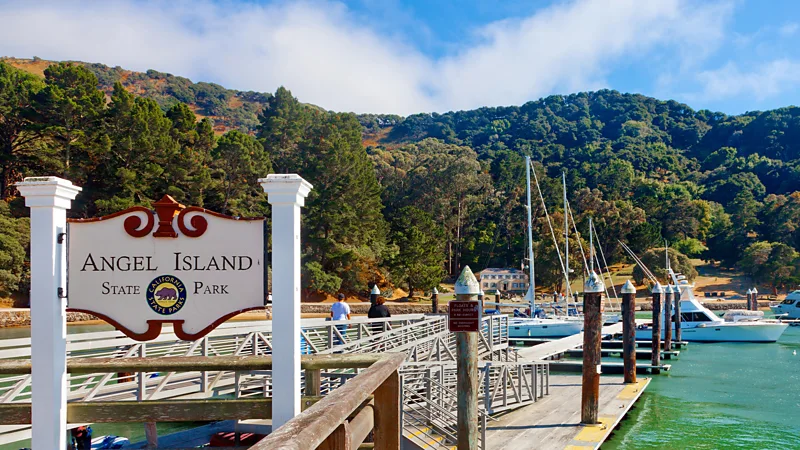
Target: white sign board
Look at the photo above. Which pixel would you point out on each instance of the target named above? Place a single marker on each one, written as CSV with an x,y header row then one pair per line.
x,y
196,270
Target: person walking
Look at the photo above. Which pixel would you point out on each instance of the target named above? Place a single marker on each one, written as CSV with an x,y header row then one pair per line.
x,y
340,310
378,311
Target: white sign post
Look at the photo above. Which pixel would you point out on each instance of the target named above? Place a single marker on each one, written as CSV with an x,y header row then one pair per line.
x,y
286,194
49,198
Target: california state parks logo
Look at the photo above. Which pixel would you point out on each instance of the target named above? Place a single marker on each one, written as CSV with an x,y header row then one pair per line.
x,y
166,295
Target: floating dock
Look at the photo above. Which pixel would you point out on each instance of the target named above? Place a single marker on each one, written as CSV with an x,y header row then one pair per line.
x,y
554,421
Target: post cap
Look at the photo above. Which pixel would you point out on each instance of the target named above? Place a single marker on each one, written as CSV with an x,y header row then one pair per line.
x,y
657,289
755,291
676,289
594,284
628,288
749,291
48,192
285,188
435,291
375,290
467,283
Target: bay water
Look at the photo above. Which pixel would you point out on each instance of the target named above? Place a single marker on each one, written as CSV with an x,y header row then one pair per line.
x,y
720,396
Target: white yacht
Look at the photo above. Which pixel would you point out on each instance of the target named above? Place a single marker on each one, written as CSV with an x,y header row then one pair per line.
x,y
700,324
789,308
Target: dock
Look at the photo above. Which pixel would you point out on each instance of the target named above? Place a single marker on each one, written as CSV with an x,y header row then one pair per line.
x,y
551,349
554,421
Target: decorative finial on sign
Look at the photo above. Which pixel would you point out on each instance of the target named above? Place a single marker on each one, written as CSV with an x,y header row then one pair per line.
x,y
467,283
628,288
166,209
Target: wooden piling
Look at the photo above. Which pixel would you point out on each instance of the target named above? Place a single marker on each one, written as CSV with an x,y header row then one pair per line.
x,y
151,434
592,335
668,294
467,288
755,299
676,295
629,331
435,301
658,290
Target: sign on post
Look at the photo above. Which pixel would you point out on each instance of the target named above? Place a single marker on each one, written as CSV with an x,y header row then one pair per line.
x,y
196,270
464,316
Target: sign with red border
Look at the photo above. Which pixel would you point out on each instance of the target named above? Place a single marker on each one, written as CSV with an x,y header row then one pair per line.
x,y
138,269
464,315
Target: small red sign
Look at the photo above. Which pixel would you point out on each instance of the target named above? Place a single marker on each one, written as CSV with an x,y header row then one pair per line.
x,y
464,315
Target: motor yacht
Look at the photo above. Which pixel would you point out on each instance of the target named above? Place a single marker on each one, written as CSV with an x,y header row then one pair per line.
x,y
789,308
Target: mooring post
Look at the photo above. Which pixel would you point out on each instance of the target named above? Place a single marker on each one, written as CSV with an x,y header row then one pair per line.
x,y
286,193
629,331
755,299
467,288
668,318
748,295
676,296
435,300
592,336
373,294
658,290
151,434
480,296
49,198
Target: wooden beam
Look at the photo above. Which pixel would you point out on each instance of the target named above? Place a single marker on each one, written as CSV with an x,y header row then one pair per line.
x,y
309,429
387,414
340,439
153,411
195,363
313,381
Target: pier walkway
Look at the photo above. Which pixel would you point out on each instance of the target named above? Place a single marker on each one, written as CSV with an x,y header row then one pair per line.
x,y
554,421
551,349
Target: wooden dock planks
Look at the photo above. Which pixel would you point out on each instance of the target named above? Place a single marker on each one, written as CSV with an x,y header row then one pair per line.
x,y
554,421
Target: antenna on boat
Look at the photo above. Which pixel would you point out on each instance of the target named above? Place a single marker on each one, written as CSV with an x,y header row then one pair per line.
x,y
532,279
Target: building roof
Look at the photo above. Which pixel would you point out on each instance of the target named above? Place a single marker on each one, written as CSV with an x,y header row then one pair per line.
x,y
501,271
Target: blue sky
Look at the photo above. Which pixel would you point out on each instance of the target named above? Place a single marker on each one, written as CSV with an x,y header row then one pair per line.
x,y
407,56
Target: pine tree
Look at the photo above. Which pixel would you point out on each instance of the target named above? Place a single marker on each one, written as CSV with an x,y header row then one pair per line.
x,y
239,160
420,242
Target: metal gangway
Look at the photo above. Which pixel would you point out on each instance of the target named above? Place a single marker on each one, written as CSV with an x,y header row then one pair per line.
x,y
425,340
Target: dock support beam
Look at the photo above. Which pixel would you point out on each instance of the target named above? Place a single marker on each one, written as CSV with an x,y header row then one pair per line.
x,y
658,290
467,288
668,318
286,193
49,198
676,295
592,335
629,331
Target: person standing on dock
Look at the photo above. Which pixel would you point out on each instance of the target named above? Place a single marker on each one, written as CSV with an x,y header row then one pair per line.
x,y
340,310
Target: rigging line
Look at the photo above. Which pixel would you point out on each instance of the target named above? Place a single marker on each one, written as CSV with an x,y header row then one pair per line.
x,y
638,261
580,244
600,247
552,233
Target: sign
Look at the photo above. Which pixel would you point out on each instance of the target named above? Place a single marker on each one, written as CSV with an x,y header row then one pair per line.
x,y
196,270
464,315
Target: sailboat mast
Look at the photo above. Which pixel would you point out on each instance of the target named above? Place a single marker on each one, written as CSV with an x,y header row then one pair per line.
x,y
591,248
531,278
566,234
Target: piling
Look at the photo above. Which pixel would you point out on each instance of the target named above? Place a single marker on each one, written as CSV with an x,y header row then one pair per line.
x,y
480,297
676,295
373,295
755,299
151,434
629,331
749,296
467,288
668,294
658,291
592,335
435,300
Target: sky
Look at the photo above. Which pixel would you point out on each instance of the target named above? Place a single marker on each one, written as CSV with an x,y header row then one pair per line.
x,y
412,56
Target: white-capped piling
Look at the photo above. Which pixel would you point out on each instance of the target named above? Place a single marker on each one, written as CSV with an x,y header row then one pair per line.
x,y
592,337
629,331
467,288
658,292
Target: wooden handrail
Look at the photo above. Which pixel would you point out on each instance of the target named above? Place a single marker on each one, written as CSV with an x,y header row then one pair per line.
x,y
195,363
319,422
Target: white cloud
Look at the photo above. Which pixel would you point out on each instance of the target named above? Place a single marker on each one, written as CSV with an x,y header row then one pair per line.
x,y
788,29
765,81
327,56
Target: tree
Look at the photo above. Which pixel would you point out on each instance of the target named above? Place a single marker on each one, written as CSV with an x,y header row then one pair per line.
x,y
239,160
690,247
14,241
772,263
655,260
420,242
20,146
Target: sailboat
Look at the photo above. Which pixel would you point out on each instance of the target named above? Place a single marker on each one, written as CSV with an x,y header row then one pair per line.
x,y
538,327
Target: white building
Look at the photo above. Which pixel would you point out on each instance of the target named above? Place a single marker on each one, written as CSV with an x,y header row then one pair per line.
x,y
503,280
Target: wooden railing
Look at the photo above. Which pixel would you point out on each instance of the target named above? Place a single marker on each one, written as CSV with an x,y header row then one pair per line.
x,y
342,419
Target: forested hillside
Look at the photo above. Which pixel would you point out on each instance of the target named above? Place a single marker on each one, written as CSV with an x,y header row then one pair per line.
x,y
405,201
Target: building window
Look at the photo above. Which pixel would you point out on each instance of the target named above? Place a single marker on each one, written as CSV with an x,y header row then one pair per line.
x,y
494,285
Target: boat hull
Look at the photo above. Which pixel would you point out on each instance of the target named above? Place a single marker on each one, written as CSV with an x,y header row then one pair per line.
x,y
786,312
726,332
544,330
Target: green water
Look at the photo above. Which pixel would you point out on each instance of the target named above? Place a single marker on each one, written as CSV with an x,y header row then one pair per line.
x,y
720,396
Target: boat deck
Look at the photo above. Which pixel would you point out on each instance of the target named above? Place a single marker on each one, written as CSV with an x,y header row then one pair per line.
x,y
554,421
